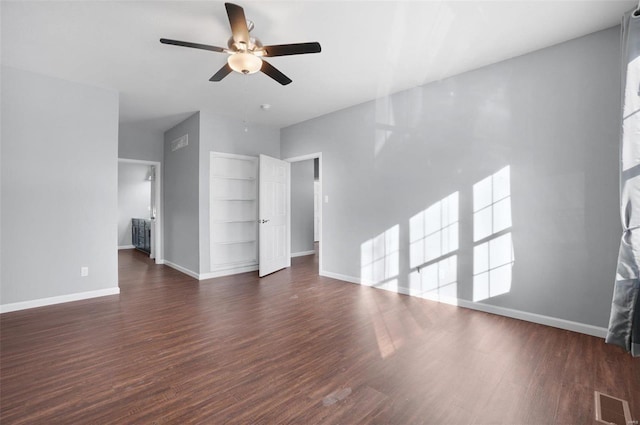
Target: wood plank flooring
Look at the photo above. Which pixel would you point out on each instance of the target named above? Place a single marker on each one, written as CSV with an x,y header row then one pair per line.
x,y
293,348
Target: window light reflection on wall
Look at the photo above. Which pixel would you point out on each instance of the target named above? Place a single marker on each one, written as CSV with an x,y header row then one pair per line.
x,y
492,263
433,237
380,259
434,231
493,256
492,204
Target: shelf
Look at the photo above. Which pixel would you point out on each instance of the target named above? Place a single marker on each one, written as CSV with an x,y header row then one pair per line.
x,y
233,207
253,220
236,242
233,178
234,199
235,264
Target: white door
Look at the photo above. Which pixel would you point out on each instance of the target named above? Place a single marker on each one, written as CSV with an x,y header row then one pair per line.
x,y
275,249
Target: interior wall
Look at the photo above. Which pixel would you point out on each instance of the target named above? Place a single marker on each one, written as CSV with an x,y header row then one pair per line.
x,y
134,198
552,116
302,219
186,181
138,142
222,134
59,187
181,196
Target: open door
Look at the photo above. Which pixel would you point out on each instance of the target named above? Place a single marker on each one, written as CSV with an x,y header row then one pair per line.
x,y
274,222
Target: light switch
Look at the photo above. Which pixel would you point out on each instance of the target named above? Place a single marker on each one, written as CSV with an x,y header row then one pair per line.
x,y
326,199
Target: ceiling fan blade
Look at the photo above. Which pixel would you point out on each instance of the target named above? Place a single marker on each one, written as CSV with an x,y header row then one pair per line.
x,y
189,44
222,72
238,23
291,49
272,72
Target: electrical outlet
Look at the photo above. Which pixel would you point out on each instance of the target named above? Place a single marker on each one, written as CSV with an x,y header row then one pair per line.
x,y
84,271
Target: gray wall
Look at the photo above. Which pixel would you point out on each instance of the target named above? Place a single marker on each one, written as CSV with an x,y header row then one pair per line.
x,y
138,142
134,198
552,115
221,134
302,178
180,191
186,180
59,187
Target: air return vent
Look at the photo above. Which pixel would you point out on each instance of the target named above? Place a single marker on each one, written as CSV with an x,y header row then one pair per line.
x,y
612,410
180,143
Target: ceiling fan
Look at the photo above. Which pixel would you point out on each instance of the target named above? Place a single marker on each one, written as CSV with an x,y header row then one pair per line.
x,y
246,53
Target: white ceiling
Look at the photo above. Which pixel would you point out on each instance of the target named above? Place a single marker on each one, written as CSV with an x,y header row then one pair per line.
x,y
369,49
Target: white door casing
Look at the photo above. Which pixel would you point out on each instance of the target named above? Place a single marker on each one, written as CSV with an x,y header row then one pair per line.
x,y
274,215
157,248
317,204
152,213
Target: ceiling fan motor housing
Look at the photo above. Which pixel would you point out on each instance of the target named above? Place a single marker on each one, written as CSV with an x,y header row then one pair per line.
x,y
254,45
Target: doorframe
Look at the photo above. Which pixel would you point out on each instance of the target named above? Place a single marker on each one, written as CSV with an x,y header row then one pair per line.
x,y
315,155
157,234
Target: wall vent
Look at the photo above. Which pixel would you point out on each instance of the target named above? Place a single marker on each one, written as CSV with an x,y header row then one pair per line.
x,y
612,410
179,143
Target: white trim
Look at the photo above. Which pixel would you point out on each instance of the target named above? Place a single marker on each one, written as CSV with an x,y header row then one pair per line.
x,y
211,275
181,269
228,272
231,156
350,279
126,247
41,302
302,253
536,318
431,297
304,157
137,161
488,308
157,223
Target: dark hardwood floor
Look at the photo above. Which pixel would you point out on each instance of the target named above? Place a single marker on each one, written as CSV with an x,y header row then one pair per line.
x,y
293,348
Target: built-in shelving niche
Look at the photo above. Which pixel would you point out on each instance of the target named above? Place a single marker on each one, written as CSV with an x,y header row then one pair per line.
x,y
234,209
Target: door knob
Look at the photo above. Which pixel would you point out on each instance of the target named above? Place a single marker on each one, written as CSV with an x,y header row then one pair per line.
x,y
263,221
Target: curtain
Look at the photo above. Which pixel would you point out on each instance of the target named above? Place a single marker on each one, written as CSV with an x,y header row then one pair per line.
x,y
624,324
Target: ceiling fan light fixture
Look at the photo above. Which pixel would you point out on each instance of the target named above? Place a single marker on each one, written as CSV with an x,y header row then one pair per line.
x,y
244,63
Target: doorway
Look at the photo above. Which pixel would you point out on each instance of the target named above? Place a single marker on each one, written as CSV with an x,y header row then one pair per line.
x,y
306,206
139,212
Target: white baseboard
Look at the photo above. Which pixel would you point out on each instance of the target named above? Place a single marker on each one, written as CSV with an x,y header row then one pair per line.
x,y
228,272
211,275
126,247
338,276
41,302
302,253
431,297
536,318
181,269
488,308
